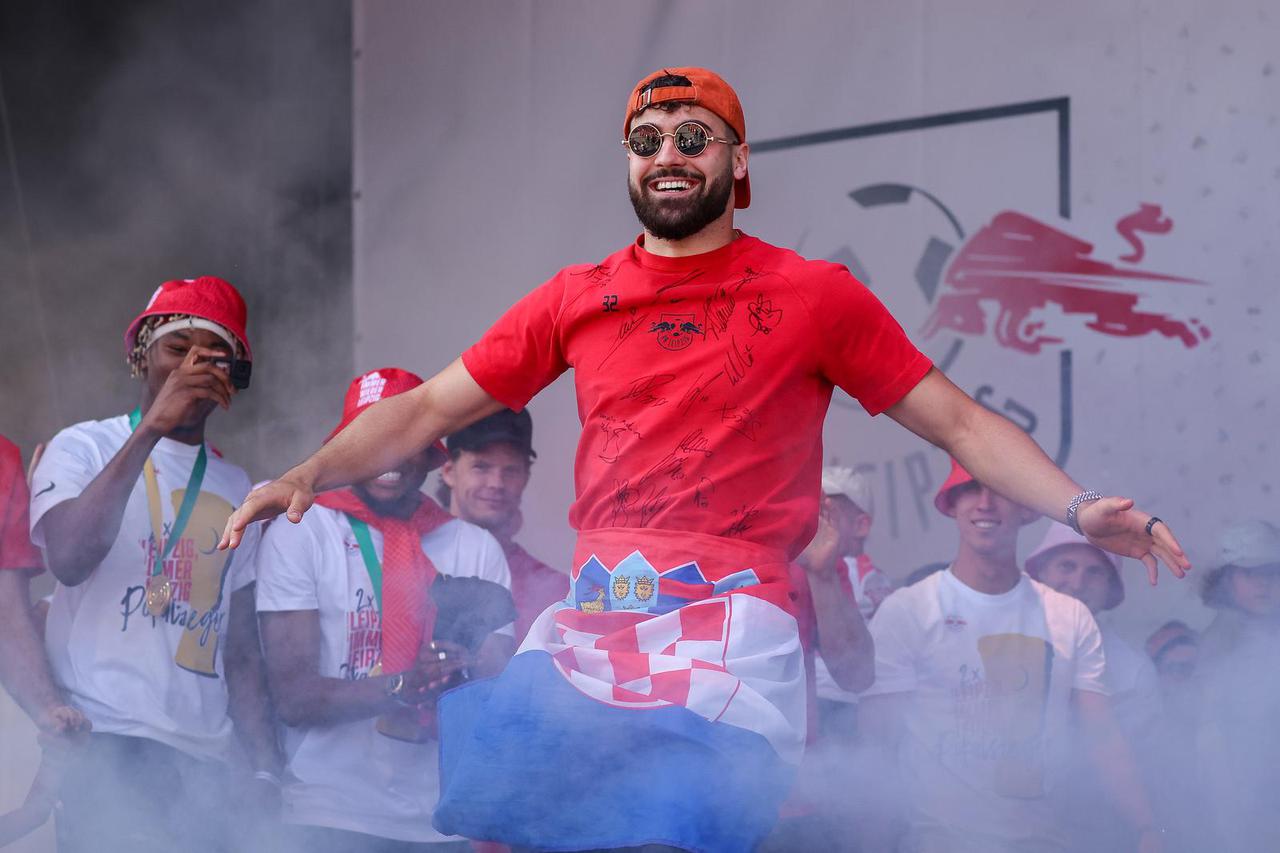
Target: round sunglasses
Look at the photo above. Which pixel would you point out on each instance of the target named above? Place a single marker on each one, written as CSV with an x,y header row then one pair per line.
x,y
690,138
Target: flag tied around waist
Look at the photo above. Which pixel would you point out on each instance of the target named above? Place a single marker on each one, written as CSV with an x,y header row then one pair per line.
x,y
671,678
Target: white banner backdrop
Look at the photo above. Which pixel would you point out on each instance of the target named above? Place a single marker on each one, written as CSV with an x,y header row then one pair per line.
x,y
1073,207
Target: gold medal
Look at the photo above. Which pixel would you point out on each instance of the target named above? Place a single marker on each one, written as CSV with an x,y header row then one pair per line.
x,y
159,594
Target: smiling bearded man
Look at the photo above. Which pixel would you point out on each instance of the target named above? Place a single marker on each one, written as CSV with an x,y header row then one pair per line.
x,y
671,679
679,202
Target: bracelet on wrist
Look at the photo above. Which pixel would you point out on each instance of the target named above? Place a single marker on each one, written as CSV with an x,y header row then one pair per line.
x,y
1074,506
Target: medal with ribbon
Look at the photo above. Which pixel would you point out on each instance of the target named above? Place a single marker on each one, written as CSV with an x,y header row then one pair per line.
x,y
160,589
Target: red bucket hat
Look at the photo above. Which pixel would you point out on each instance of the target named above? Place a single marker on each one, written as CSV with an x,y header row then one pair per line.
x,y
957,477
706,89
368,388
207,297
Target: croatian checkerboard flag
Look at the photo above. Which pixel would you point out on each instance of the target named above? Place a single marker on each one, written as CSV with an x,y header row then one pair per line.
x,y
649,708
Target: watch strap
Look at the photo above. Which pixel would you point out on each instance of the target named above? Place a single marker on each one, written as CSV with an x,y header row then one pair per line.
x,y
1074,507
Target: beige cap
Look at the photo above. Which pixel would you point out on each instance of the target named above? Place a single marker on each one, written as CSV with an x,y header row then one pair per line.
x,y
1249,544
854,485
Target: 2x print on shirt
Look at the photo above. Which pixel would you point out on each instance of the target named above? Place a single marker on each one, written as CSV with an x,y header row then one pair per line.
x,y
702,382
347,775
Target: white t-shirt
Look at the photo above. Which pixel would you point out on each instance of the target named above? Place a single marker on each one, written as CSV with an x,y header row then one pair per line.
x,y
348,776
1136,704
1134,687
132,673
988,720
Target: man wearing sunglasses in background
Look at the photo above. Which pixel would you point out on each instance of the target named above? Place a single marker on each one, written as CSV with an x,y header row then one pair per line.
x,y
664,703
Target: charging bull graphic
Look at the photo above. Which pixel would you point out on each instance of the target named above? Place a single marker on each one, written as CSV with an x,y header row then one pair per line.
x,y
1020,266
1017,273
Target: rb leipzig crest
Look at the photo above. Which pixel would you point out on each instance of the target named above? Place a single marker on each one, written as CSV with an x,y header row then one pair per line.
x,y
676,331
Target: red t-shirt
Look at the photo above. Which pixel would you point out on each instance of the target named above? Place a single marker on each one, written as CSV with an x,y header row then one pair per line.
x,y
702,383
16,550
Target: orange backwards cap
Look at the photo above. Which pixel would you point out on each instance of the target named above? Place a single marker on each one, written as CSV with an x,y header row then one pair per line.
x,y
207,297
368,388
694,86
958,477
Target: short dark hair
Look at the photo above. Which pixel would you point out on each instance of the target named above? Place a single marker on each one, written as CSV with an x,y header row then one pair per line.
x,y
1215,589
666,80
672,106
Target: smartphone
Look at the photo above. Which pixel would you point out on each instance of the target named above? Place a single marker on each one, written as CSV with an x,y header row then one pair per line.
x,y
238,371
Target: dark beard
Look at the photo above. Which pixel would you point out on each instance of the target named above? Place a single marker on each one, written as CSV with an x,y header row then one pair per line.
x,y
669,222
401,507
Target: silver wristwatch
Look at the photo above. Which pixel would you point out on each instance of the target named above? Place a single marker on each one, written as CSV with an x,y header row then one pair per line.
x,y
1074,506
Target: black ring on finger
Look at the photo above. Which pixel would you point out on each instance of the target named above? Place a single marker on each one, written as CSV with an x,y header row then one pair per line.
x,y
1153,522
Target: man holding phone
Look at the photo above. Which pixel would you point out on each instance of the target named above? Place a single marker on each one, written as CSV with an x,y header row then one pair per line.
x,y
690,502
126,511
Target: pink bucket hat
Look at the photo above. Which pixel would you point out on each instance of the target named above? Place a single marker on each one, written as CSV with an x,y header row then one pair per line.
x,y
1059,535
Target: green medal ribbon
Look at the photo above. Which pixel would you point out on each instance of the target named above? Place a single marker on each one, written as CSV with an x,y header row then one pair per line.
x,y
371,562
153,499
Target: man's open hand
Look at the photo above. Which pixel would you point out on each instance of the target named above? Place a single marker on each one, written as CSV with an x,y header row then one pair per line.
x,y
1115,525
284,495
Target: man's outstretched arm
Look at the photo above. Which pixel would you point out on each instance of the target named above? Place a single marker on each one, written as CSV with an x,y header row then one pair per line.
x,y
386,434
996,452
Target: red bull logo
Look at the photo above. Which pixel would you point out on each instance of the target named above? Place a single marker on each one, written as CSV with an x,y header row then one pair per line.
x,y
676,331
1019,276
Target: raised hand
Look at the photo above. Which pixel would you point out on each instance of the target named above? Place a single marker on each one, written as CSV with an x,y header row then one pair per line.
x,y
821,556
1116,525
196,381
286,495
